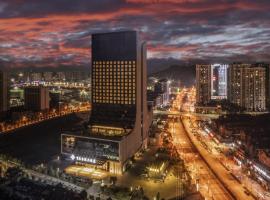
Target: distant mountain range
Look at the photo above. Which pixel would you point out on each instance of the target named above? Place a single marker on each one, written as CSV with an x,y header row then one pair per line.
x,y
156,65
186,74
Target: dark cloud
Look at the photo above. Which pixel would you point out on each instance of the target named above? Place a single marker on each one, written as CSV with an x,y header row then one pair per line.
x,y
56,32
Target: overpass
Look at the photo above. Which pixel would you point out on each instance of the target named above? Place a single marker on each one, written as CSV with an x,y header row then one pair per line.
x,y
187,114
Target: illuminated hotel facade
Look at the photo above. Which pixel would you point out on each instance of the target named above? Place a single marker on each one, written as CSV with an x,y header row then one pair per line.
x,y
120,119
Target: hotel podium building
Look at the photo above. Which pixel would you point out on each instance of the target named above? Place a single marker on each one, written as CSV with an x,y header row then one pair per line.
x,y
120,119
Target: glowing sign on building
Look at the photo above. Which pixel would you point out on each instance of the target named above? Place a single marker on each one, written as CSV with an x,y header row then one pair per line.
x,y
89,150
219,81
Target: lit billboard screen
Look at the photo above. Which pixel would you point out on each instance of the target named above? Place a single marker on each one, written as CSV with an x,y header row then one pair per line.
x,y
90,147
219,81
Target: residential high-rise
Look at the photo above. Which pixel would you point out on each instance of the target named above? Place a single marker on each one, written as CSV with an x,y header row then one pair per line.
x,y
4,93
211,83
36,98
76,75
203,84
267,83
48,76
60,76
120,120
247,86
36,76
219,81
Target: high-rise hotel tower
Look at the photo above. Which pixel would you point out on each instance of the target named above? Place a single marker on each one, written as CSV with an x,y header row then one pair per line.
x,y
120,119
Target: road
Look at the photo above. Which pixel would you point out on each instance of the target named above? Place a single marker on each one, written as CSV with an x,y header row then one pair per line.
x,y
251,185
185,101
187,114
227,179
208,184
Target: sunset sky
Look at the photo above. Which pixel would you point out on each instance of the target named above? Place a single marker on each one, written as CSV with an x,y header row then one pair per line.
x,y
53,32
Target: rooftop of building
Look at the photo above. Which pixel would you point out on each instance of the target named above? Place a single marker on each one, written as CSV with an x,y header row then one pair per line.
x,y
115,32
88,134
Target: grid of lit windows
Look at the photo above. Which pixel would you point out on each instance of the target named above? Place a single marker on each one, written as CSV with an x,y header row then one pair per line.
x,y
113,82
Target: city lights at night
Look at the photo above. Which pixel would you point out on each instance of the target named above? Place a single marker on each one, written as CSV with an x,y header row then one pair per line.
x,y
135,100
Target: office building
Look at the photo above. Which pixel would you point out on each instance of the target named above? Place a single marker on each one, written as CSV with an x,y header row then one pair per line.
x,y
120,119
36,98
162,88
158,92
247,86
4,93
203,84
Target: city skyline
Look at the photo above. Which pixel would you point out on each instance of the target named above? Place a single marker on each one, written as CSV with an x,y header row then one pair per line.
x,y
135,99
59,33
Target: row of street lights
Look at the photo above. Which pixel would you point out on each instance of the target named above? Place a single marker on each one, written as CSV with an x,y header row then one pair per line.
x,y
39,117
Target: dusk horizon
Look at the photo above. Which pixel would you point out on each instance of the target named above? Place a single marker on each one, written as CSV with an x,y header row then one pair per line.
x,y
135,99
52,33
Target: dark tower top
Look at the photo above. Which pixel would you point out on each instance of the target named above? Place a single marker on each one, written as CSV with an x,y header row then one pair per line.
x,y
114,46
